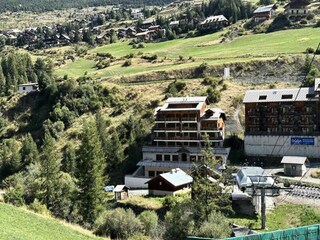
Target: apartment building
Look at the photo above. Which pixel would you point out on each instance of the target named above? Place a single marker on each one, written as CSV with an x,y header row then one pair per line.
x,y
281,122
178,138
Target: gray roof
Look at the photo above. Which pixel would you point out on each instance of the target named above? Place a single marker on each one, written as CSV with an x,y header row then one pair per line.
x,y
252,175
294,160
217,112
120,188
177,177
218,18
279,95
264,9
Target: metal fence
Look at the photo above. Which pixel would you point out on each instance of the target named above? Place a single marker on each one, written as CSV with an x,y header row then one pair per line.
x,y
311,232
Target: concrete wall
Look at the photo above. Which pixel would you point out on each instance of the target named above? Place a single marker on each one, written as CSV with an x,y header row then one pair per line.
x,y
136,182
168,193
279,146
26,89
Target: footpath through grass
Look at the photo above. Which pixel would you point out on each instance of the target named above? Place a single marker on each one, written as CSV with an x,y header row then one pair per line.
x,y
20,224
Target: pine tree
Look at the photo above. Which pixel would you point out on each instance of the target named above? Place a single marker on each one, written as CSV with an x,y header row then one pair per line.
x,y
29,151
207,195
50,171
90,174
2,82
69,159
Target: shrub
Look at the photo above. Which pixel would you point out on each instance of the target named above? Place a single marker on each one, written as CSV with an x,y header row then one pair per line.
x,y
318,23
309,50
181,58
140,45
127,63
310,16
175,87
214,95
37,207
280,22
210,81
149,221
118,223
224,87
303,21
217,226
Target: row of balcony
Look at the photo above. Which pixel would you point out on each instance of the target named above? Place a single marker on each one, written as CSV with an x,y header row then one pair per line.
x,y
212,128
178,138
176,119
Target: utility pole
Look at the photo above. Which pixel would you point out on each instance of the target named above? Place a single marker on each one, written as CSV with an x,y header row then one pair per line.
x,y
263,208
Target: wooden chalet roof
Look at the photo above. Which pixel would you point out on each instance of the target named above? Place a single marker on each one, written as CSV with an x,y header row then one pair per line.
x,y
297,4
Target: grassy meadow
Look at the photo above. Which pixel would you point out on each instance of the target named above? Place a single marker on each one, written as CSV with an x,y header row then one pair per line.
x,y
20,224
202,49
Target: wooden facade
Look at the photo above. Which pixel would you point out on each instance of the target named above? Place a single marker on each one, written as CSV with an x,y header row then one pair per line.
x,y
297,8
299,118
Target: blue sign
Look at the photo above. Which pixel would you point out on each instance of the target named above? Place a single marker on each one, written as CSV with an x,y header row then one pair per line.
x,y
302,141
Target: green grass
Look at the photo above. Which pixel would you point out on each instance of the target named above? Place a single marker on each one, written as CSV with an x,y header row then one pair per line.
x,y
282,217
202,49
17,223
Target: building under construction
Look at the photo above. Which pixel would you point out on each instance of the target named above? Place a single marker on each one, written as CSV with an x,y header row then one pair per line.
x,y
282,122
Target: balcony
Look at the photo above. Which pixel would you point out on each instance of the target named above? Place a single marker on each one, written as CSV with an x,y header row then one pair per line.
x,y
176,138
189,129
188,119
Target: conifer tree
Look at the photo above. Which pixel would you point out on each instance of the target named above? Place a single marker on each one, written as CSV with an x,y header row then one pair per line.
x,y
29,151
50,171
90,174
207,195
69,159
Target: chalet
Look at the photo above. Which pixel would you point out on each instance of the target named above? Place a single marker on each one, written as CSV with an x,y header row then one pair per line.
x,y
178,138
137,13
263,13
121,192
294,165
281,122
214,22
297,8
171,183
173,24
28,87
148,23
102,38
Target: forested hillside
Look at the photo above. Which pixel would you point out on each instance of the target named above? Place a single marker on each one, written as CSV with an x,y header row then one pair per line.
x,y
44,5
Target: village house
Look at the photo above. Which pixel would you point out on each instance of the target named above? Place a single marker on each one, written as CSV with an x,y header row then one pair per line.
x,y
281,122
294,166
137,13
28,87
297,8
121,192
180,125
263,13
214,22
171,183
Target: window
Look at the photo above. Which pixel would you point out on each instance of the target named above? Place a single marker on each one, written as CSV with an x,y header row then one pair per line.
x,y
287,96
23,88
159,157
167,157
263,97
152,173
175,158
160,183
310,95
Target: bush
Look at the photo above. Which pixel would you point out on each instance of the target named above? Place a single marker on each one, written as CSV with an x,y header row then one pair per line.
x,y
175,87
210,81
127,63
224,87
118,223
310,16
309,50
217,226
149,221
214,95
279,23
318,23
37,207
303,21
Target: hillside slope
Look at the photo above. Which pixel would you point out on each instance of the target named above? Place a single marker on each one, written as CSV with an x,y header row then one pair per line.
x,y
193,52
17,223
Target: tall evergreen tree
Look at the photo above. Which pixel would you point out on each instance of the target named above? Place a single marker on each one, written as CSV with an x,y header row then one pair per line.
x,y
69,159
90,174
50,171
29,151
